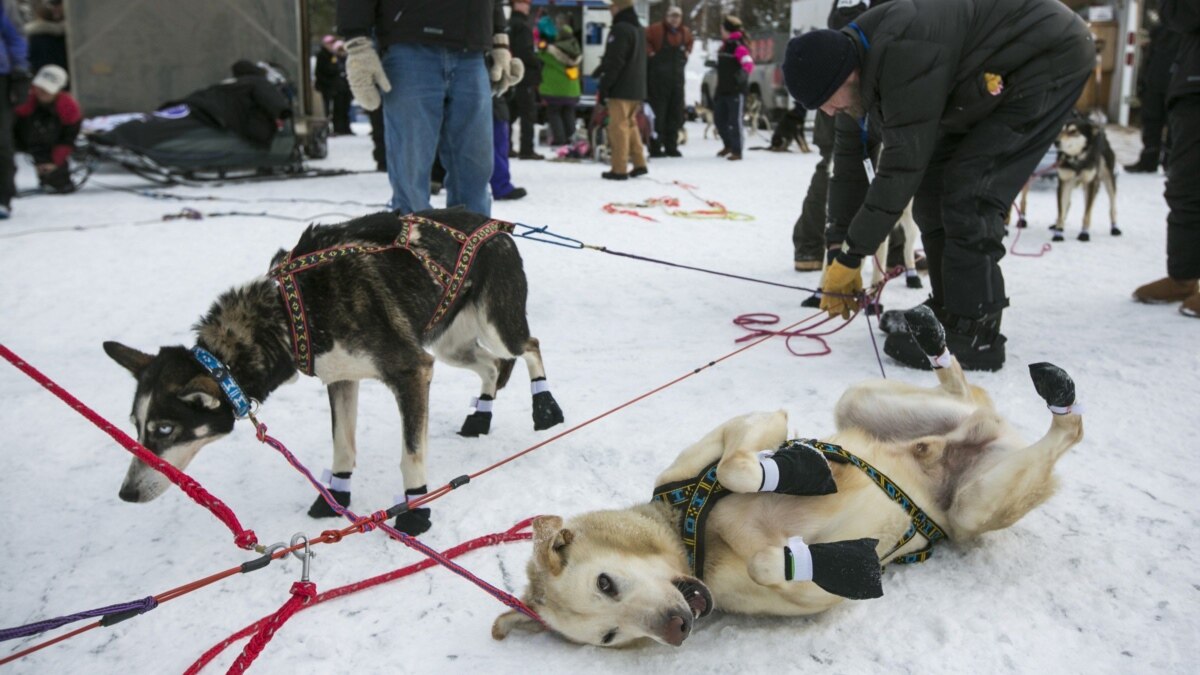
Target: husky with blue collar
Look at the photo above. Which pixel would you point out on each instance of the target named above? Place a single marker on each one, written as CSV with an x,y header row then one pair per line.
x,y
749,522
359,300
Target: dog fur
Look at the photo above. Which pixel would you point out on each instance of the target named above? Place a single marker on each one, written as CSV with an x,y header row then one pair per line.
x,y
367,316
1085,159
946,446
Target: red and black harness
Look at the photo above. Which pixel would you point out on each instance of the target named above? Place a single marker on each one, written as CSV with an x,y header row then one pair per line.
x,y
448,275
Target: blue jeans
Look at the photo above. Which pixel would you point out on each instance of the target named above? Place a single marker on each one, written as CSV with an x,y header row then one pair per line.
x,y
440,102
727,117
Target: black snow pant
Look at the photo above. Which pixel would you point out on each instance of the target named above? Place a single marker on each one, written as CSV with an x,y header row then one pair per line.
x,y
666,100
969,187
525,109
8,167
1183,189
341,109
808,234
1154,122
727,117
378,148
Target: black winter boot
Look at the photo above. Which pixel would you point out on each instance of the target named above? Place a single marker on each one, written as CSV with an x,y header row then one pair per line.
x,y
977,344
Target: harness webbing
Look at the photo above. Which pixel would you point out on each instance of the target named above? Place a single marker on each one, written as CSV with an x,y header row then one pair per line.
x,y
451,281
921,523
695,497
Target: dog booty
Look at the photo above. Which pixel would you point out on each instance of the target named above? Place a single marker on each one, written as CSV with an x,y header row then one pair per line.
x,y
796,468
546,412
339,488
479,422
414,521
849,569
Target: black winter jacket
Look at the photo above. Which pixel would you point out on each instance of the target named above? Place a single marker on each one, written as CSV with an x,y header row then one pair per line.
x,y
922,74
623,68
1183,17
455,24
520,41
249,106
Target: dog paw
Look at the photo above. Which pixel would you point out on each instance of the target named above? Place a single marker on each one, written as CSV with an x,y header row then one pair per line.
x,y
1022,223
913,282
320,509
546,412
1115,231
1053,384
1058,234
873,308
1084,236
813,300
849,568
926,330
477,423
766,568
414,521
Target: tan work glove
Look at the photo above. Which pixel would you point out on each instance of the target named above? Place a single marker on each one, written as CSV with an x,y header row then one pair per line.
x,y
841,287
365,73
506,71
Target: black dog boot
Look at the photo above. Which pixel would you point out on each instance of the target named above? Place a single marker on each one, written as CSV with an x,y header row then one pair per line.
x,y
414,521
929,334
1114,230
813,300
849,569
479,422
796,468
339,487
977,344
1055,387
893,321
912,279
546,412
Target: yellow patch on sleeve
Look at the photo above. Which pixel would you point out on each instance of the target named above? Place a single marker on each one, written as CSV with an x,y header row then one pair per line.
x,y
995,83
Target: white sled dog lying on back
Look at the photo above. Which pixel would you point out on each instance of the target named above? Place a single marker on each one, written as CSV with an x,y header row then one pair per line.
x,y
907,467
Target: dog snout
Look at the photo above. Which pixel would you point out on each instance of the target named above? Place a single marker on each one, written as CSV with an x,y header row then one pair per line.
x,y
677,627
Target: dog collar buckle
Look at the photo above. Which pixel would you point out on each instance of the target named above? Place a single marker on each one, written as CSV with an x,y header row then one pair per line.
x,y
218,371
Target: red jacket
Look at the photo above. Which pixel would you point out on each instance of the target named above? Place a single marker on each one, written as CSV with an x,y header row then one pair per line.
x,y
55,125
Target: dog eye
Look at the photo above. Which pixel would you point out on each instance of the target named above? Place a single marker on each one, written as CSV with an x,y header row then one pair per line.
x,y
609,637
163,429
606,585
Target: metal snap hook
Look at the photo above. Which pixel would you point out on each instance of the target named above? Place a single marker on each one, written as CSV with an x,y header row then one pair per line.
x,y
306,556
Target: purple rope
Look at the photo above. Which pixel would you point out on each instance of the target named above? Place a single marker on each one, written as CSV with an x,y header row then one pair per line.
x,y
701,269
131,608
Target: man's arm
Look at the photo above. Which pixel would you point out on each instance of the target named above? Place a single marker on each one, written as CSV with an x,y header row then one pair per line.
x,y
356,18
1181,16
847,181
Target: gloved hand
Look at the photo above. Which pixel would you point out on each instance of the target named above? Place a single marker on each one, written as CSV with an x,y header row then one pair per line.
x,y
841,286
506,71
18,85
365,73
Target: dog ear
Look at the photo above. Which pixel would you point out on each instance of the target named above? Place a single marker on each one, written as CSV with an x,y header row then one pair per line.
x,y
550,541
514,620
928,449
129,358
202,390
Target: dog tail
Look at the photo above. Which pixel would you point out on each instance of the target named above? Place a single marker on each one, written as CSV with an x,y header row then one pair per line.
x,y
506,368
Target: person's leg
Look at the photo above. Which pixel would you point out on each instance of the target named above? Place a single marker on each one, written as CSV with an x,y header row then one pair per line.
x,y
501,180
619,129
637,151
412,114
674,119
526,99
1182,193
341,111
568,121
808,235
658,98
723,112
554,120
736,132
466,140
8,167
378,145
1154,118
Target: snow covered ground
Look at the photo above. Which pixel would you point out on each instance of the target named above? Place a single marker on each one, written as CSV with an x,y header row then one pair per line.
x,y
1100,579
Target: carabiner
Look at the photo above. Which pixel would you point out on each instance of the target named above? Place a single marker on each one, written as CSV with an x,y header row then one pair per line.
x,y
305,557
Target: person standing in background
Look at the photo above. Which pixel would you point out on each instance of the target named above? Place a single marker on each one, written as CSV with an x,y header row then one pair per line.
x,y
14,89
525,92
561,84
668,45
1154,77
1182,283
734,65
437,91
622,89
47,36
327,73
341,94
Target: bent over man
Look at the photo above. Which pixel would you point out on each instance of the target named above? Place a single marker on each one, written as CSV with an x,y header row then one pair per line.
x,y
965,96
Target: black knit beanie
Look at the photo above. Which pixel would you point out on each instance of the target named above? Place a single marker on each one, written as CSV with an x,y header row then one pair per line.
x,y
816,64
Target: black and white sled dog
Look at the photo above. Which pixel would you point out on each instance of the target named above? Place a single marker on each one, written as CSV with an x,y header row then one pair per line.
x,y
359,300
1085,159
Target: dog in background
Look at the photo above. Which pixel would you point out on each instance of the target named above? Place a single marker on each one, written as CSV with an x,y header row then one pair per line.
x,y
1085,159
796,526
702,112
370,295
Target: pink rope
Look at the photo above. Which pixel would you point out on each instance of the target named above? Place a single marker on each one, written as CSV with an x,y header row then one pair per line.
x,y
303,593
242,537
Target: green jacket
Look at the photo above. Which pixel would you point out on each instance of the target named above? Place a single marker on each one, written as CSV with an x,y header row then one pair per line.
x,y
558,60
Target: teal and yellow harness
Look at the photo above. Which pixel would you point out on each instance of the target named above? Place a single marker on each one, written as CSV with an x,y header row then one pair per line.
x,y
696,497
449,275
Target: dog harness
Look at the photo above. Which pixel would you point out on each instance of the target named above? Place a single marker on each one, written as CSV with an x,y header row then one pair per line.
x,y
449,275
696,497
920,522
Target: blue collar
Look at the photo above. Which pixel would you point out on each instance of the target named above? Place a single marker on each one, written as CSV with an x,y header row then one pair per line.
x,y
219,372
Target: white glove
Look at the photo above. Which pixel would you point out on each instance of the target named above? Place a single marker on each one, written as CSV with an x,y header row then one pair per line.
x,y
365,72
506,71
